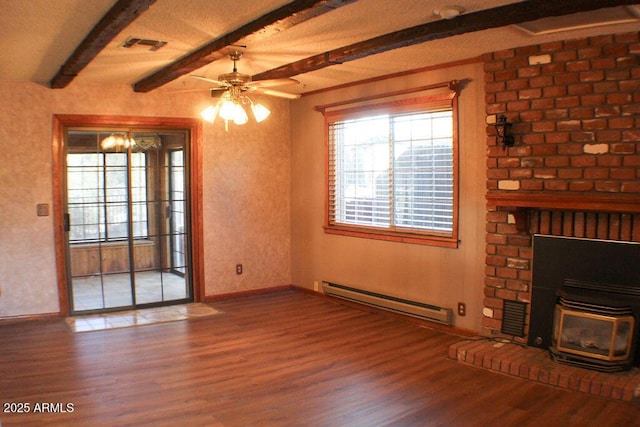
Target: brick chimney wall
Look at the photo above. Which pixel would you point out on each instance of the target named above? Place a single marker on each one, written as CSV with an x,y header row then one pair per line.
x,y
575,106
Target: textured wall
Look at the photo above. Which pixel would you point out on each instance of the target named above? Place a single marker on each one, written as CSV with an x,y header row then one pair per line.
x,y
245,195
428,274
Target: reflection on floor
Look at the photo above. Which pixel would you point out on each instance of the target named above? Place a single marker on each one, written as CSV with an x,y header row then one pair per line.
x,y
114,290
123,319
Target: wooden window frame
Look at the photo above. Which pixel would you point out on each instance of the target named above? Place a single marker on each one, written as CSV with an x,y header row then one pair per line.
x,y
437,102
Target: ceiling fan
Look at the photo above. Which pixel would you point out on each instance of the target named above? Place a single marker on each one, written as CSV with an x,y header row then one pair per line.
x,y
237,83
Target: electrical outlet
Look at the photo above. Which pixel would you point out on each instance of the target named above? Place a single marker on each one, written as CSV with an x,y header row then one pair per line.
x,y
238,269
462,309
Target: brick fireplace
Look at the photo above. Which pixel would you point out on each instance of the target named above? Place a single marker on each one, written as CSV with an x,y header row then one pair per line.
x,y
574,170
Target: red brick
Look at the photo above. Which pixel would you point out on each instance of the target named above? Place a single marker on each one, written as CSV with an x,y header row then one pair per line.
x,y
570,173
540,104
490,67
595,99
594,124
621,122
603,63
508,250
544,149
564,56
554,91
618,98
630,187
631,135
600,40
608,135
569,125
505,96
571,148
504,54
544,126
541,81
530,93
607,110
496,261
527,72
506,273
580,89
610,161
592,76
627,37
581,65
551,46
581,186
594,173
624,148
630,85
615,49
605,87
516,62
557,161
608,186
627,174
567,101
532,115
518,106
494,87
517,84
566,78
556,185
505,75
583,161
519,240
590,52
557,137
531,185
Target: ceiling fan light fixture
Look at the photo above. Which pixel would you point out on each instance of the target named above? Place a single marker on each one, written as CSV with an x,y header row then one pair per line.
x,y
260,112
209,114
240,116
227,109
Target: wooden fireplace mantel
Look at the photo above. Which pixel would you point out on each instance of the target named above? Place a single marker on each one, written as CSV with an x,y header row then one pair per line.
x,y
520,203
589,202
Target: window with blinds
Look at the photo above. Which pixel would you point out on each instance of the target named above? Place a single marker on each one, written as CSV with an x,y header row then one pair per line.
x,y
392,171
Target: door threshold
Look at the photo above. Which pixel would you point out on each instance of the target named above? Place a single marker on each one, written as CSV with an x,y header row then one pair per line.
x,y
147,316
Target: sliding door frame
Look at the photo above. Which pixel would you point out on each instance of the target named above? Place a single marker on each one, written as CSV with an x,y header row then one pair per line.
x,y
193,126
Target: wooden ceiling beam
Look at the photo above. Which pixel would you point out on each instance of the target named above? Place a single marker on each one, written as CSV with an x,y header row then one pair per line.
x,y
275,21
514,13
123,13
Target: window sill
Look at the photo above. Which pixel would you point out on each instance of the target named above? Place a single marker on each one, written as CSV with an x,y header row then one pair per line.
x,y
391,236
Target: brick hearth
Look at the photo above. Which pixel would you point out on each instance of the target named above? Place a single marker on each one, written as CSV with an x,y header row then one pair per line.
x,y
534,364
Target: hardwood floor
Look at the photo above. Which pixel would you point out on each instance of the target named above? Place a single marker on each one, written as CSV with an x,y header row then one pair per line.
x,y
286,358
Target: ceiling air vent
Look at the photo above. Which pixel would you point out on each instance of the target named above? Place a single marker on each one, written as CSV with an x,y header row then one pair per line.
x,y
593,18
152,44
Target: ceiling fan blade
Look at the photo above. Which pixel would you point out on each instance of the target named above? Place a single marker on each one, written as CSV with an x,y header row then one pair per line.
x,y
206,79
273,82
279,94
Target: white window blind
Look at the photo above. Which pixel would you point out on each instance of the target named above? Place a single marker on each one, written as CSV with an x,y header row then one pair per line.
x,y
393,171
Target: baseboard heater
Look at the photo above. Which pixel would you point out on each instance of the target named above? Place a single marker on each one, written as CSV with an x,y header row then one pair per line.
x,y
389,303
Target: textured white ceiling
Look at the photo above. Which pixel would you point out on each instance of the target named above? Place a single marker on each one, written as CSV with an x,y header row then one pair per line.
x,y
37,37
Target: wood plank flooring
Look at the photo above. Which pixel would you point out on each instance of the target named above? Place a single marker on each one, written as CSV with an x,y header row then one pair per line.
x,y
286,358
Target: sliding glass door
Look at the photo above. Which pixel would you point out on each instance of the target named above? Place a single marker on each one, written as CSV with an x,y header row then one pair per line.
x,y
127,219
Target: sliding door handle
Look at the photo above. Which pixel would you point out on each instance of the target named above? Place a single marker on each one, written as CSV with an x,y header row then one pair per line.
x,y
67,222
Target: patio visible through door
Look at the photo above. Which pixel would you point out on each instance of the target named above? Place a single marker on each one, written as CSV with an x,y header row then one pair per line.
x,y
127,219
